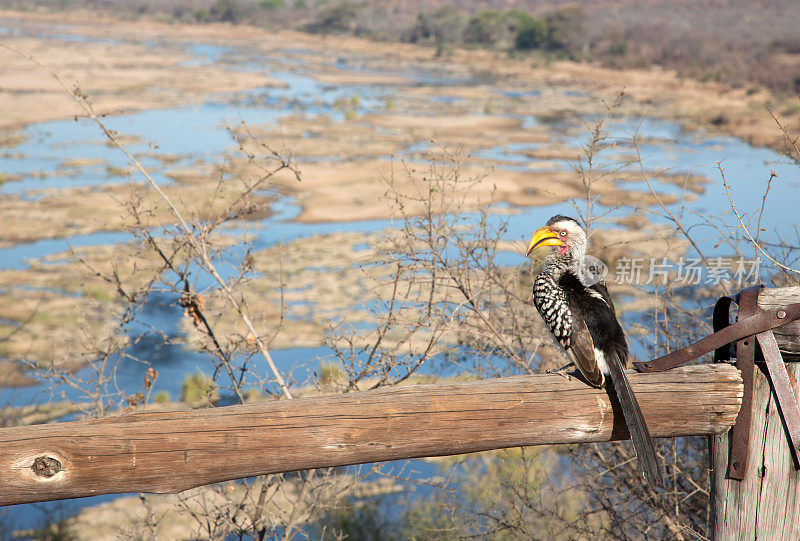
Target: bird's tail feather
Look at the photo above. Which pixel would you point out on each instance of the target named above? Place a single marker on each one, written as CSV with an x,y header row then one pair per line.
x,y
642,440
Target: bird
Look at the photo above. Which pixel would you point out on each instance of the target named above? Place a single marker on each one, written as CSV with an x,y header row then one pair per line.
x,y
580,314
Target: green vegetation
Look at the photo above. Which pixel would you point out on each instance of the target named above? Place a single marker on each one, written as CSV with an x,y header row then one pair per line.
x,y
199,389
443,27
11,139
253,394
99,293
487,28
508,494
115,171
200,15
59,529
229,11
271,4
513,30
338,18
331,374
505,495
348,106
563,26
532,33
226,11
355,518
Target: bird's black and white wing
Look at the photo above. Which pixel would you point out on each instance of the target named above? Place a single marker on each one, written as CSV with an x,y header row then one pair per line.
x,y
570,332
551,303
582,353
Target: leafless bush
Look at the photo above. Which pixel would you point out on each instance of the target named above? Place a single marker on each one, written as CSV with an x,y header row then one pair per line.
x,y
175,247
578,491
446,299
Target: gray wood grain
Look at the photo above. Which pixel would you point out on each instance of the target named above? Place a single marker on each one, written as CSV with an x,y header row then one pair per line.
x,y
765,505
788,336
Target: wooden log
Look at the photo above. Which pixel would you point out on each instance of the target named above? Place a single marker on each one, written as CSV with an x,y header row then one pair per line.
x,y
766,504
170,452
787,336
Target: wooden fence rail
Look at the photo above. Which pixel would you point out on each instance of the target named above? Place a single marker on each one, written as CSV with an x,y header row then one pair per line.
x,y
174,451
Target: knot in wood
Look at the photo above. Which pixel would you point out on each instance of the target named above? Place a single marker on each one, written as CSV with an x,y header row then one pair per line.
x,y
46,466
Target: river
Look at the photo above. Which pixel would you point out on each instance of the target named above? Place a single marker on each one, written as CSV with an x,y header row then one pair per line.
x,y
199,133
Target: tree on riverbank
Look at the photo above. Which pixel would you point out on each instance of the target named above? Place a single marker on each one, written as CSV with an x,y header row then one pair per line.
x,y
734,42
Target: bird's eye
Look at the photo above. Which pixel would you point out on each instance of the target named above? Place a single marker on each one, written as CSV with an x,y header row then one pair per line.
x,y
563,233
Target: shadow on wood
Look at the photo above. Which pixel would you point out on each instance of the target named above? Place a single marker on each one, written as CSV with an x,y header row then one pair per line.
x,y
174,451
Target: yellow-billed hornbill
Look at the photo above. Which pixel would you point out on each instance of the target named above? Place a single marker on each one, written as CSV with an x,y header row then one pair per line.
x,y
581,317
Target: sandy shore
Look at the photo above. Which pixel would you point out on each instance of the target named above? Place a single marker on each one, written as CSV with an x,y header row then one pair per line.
x,y
111,64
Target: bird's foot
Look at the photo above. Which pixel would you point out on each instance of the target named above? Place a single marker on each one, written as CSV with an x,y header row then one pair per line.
x,y
562,371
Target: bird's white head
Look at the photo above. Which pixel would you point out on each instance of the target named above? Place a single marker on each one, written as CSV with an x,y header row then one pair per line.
x,y
566,238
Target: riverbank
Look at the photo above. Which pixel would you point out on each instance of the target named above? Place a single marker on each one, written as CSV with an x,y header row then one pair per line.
x,y
121,74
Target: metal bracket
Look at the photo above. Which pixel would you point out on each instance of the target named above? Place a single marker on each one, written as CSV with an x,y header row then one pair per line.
x,y
747,300
752,329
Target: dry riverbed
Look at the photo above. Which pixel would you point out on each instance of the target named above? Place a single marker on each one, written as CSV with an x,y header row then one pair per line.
x,y
347,164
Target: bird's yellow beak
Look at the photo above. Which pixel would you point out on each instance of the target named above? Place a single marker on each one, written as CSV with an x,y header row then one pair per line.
x,y
544,236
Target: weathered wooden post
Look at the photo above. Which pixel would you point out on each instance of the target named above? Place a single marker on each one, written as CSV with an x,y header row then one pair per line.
x,y
765,504
755,480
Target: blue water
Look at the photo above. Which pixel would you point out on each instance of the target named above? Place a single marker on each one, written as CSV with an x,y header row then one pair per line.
x,y
200,133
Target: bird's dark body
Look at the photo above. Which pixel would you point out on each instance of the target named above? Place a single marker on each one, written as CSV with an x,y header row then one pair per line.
x,y
598,313
583,320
